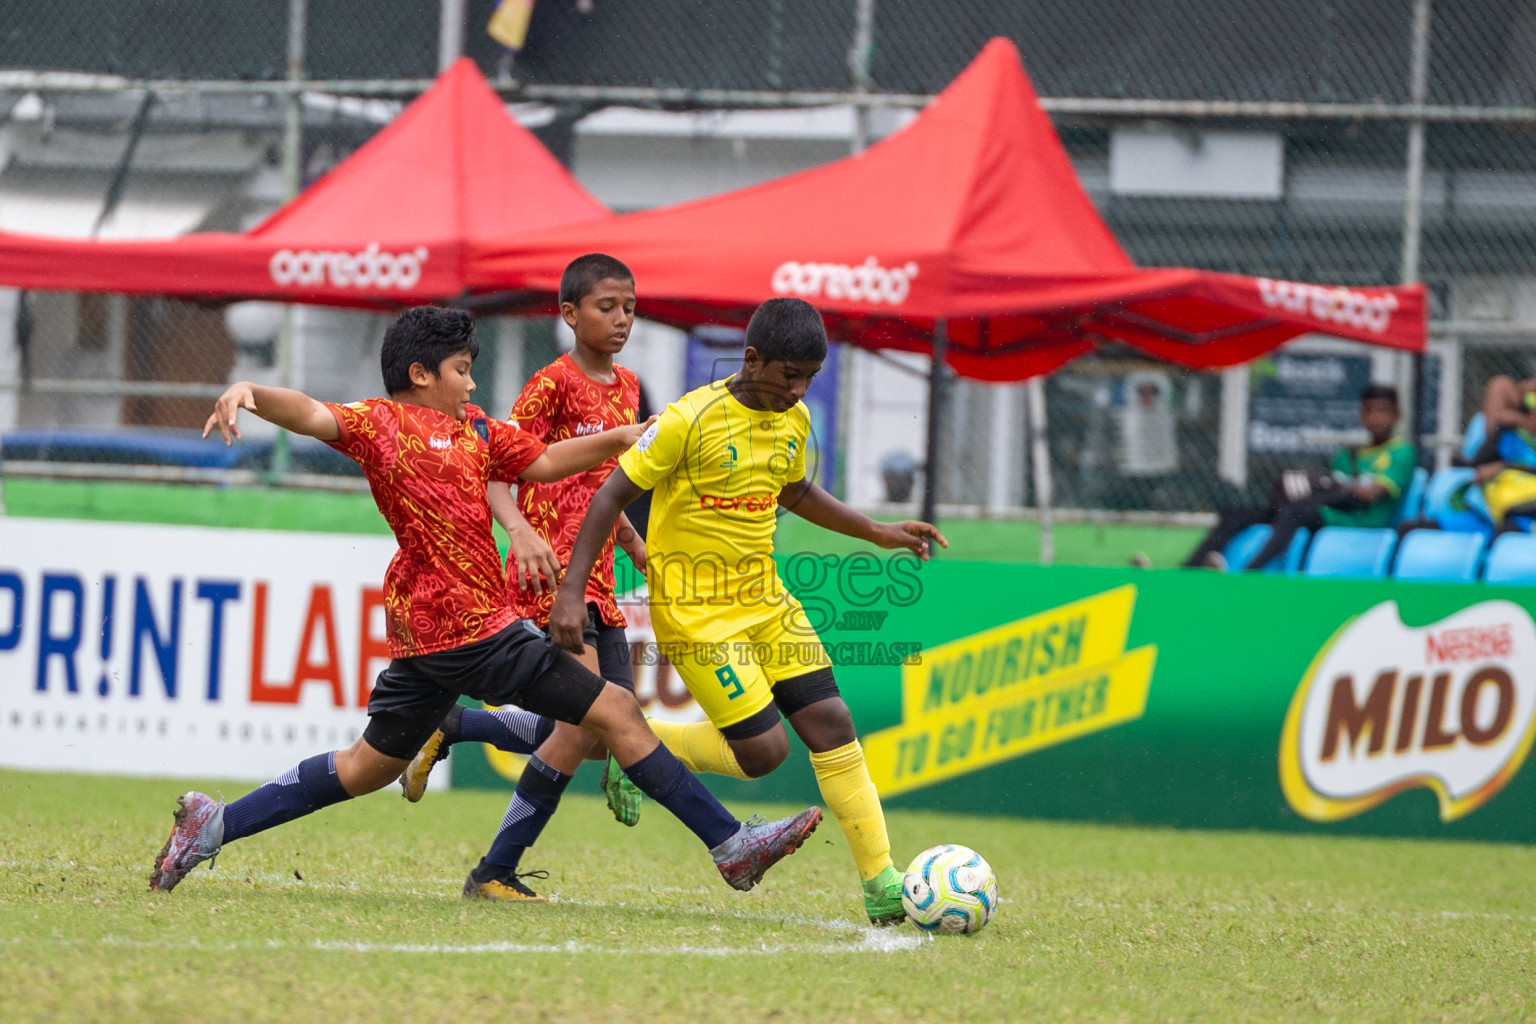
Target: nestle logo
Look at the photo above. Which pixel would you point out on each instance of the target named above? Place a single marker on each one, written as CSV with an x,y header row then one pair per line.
x,y
1479,643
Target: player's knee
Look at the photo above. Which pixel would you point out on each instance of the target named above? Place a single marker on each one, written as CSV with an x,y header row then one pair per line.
x,y
825,725
361,769
615,710
762,754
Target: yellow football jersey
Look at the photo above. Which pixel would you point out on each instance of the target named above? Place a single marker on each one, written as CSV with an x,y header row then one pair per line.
x,y
717,468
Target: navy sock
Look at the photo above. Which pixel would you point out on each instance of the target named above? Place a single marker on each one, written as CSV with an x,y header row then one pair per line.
x,y
306,787
533,804
509,729
662,777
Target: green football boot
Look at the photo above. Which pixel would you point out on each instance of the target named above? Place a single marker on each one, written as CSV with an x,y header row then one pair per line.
x,y
624,797
882,898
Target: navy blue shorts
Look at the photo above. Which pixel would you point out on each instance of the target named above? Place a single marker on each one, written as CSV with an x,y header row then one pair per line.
x,y
520,665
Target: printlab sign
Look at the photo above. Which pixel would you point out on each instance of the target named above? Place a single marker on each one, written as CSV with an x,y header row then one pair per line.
x,y
182,651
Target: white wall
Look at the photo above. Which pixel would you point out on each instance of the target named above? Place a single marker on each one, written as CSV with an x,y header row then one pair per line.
x,y
10,358
888,412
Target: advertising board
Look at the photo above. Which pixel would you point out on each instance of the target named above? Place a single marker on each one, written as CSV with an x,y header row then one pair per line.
x,y
184,651
1184,698
1179,697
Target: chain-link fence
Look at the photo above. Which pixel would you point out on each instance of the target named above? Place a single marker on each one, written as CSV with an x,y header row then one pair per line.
x,y
133,118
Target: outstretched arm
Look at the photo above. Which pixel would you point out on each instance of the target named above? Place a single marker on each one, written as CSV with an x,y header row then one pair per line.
x,y
809,501
579,454
289,409
569,616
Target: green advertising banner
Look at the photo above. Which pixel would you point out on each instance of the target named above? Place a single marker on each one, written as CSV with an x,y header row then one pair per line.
x,y
1179,698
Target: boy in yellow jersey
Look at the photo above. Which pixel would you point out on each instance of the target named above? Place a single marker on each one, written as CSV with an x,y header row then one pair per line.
x,y
722,460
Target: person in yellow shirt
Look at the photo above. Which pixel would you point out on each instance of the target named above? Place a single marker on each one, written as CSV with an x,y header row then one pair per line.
x,y
723,460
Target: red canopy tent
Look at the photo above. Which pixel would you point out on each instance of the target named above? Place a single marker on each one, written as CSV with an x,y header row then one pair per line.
x,y
971,216
394,224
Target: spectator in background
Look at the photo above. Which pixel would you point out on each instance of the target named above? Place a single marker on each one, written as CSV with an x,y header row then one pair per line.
x,y
1363,487
1506,462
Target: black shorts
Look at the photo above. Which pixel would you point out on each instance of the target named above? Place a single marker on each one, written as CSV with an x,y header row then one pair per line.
x,y
612,647
519,665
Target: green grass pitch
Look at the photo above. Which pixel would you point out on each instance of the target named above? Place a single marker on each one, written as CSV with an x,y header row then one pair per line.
x,y
354,914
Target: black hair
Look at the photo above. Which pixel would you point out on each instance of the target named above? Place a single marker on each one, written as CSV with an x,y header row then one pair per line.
x,y
1383,392
791,329
425,335
583,273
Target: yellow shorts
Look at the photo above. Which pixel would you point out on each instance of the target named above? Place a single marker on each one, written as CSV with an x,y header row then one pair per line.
x,y
1509,489
734,679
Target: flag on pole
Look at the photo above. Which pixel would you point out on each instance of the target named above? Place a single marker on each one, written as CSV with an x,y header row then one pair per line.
x,y
509,23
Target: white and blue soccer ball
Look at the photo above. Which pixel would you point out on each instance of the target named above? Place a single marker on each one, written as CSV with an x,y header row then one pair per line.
x,y
949,888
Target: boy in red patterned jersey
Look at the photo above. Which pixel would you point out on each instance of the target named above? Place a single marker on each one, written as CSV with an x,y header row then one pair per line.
x,y
429,455
581,393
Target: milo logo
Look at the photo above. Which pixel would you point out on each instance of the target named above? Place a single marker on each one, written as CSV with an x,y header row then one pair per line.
x,y
1386,707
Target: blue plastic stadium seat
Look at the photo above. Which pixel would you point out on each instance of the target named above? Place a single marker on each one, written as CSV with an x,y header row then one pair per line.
x,y
1412,506
1241,549
1343,551
1445,485
1512,559
1439,555
1472,440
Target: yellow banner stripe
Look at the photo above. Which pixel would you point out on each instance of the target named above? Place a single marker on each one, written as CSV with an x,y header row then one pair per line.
x,y
1010,723
1054,644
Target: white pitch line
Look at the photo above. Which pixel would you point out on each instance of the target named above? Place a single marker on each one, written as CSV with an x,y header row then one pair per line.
x,y
381,885
872,941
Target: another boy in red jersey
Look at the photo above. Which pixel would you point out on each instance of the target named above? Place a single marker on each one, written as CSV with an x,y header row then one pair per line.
x,y
428,455
581,393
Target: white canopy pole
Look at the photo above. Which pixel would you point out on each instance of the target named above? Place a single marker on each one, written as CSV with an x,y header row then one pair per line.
x,y
1040,462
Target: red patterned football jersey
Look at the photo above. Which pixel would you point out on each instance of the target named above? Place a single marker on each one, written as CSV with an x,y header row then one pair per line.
x,y
560,402
428,472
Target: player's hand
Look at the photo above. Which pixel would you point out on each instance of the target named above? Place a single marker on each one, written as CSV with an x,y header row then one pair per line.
x,y
632,544
636,553
568,620
631,432
239,396
913,535
537,569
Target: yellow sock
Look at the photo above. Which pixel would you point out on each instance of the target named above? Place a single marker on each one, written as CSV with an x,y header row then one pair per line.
x,y
850,795
700,746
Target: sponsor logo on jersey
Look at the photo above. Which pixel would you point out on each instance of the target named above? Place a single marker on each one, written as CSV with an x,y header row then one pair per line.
x,y
740,503
440,443
1386,707
369,268
1012,690
583,429
1333,305
867,282
647,437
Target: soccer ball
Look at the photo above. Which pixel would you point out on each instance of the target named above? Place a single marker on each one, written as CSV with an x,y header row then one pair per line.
x,y
949,889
